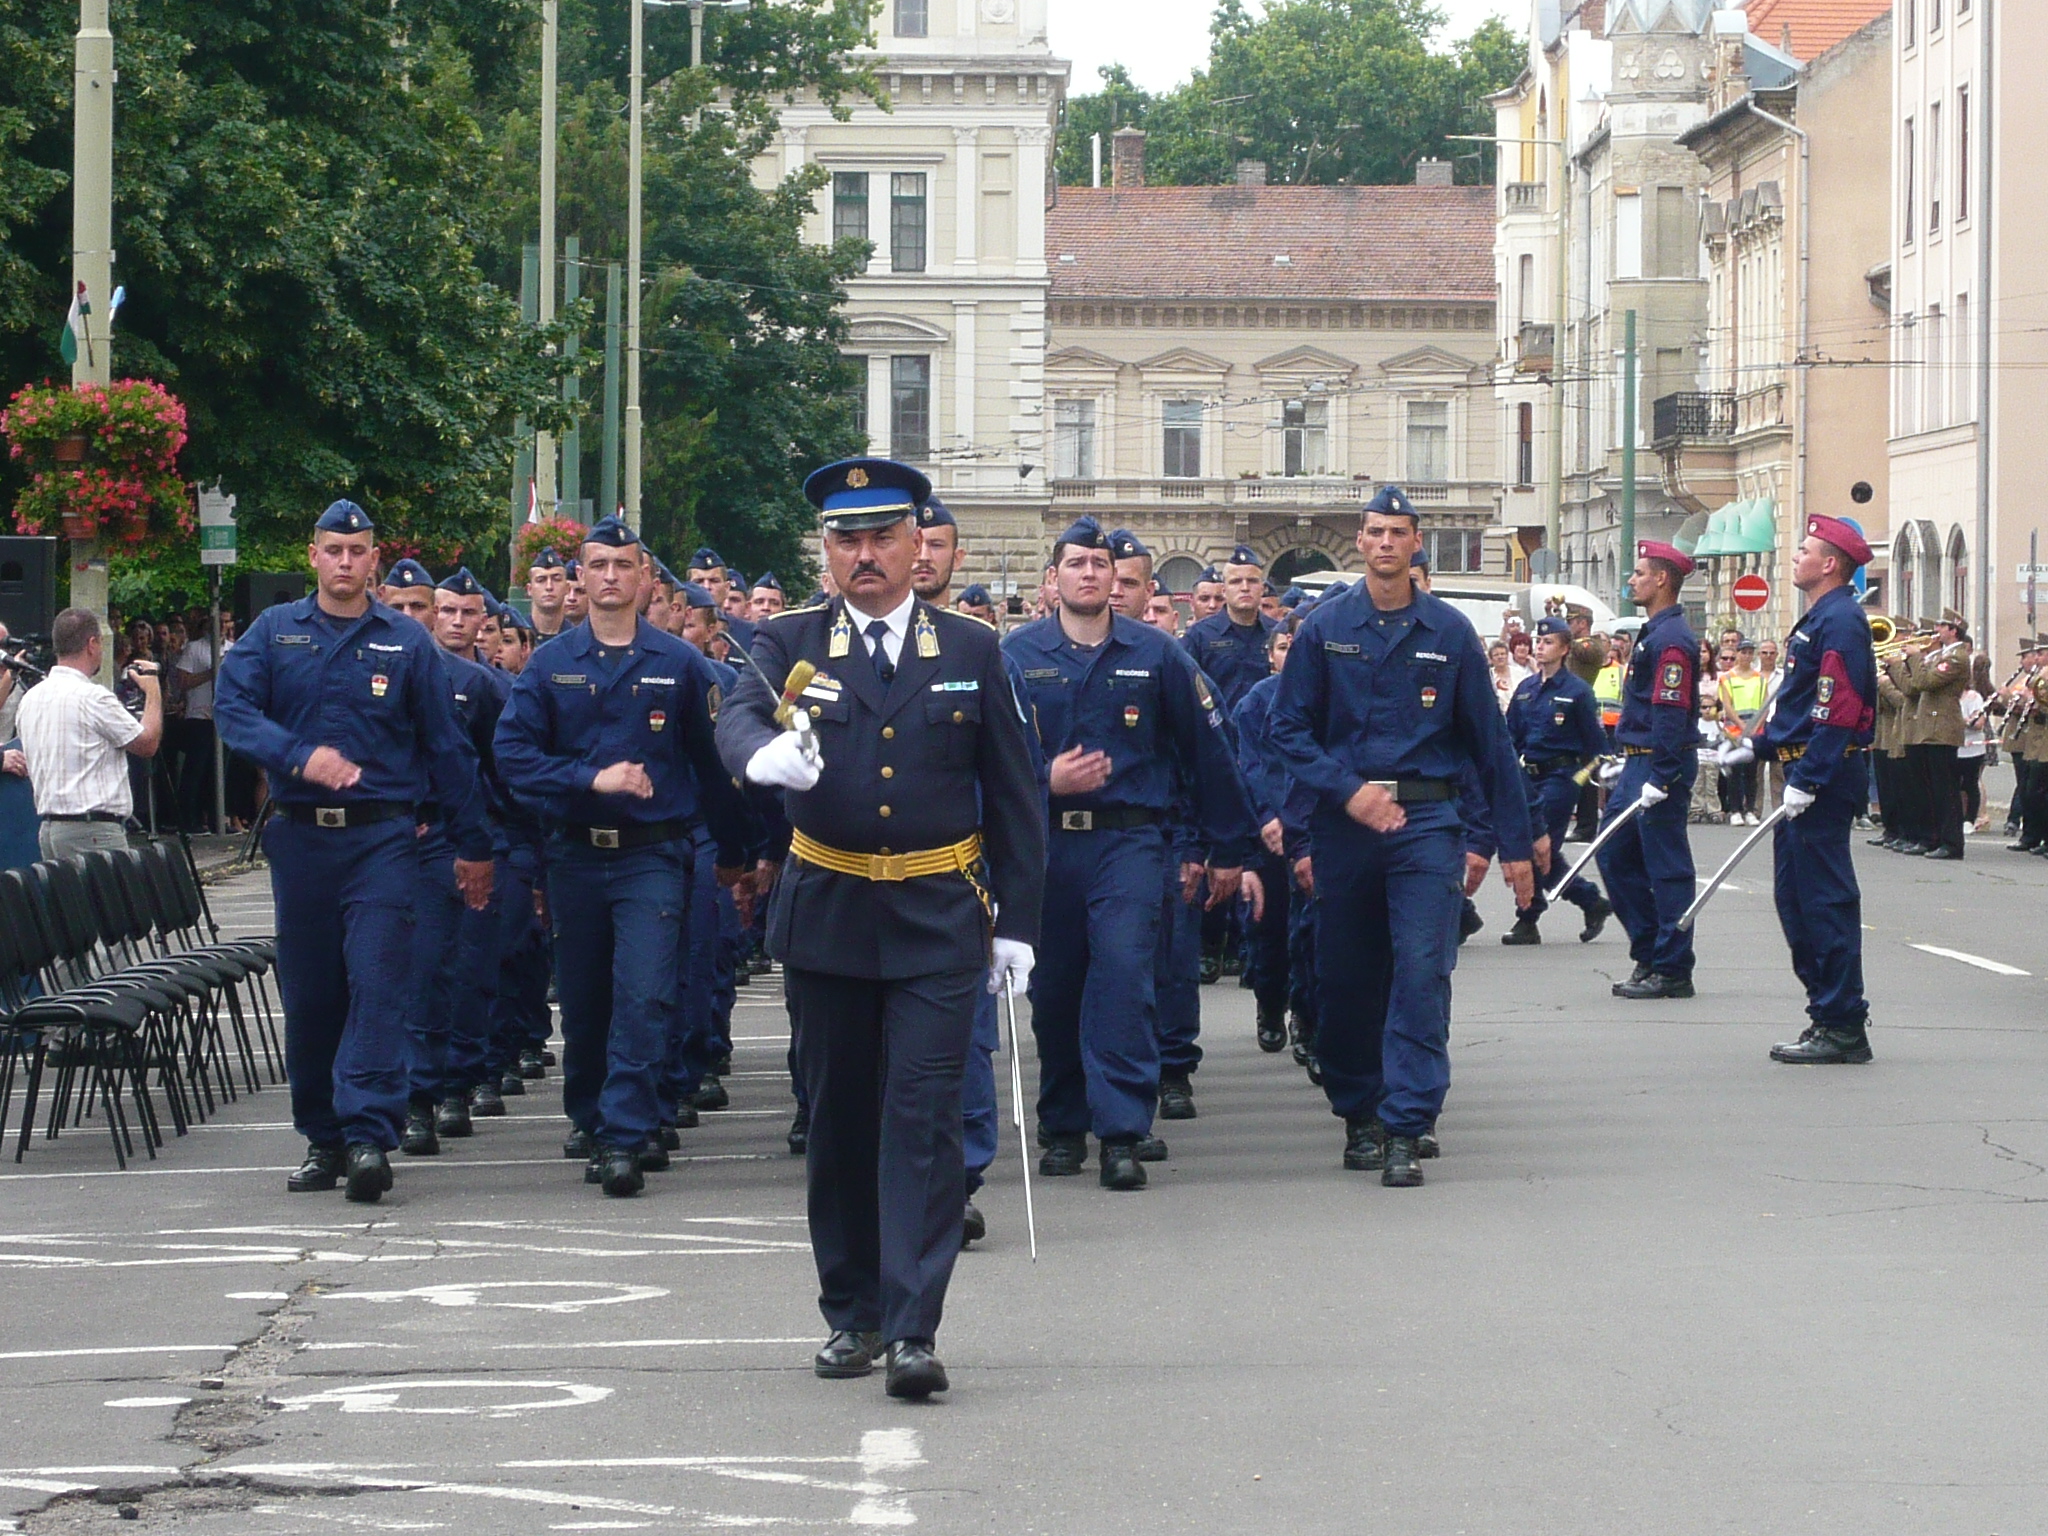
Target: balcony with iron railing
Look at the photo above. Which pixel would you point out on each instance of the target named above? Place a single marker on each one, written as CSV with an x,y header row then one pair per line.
x,y
1693,416
1292,494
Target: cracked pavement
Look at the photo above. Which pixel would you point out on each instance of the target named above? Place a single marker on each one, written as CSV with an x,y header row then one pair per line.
x,y
1655,1283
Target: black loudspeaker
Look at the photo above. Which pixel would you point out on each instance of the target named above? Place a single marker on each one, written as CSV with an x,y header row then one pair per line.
x,y
28,585
258,590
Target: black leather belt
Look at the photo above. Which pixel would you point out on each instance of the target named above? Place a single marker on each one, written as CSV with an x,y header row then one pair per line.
x,y
108,816
634,834
1107,818
1543,765
360,813
1417,791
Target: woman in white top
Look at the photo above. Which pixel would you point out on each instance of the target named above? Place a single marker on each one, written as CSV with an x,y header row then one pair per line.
x,y
1507,677
1970,755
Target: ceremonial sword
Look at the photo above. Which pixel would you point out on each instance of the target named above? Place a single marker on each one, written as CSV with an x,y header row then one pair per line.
x,y
787,715
1592,848
1017,1120
1741,853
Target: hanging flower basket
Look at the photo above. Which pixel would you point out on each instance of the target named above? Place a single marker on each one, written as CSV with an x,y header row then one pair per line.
x,y
103,461
561,534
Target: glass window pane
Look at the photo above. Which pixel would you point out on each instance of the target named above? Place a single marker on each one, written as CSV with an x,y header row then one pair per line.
x,y
1183,439
910,407
1429,440
906,221
1073,444
913,18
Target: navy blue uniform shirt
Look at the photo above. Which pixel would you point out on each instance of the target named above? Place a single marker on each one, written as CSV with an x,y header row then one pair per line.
x,y
1231,655
372,689
1555,717
581,706
1140,699
1660,699
1370,695
1827,702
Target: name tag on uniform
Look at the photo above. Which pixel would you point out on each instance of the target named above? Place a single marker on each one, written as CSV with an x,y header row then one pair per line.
x,y
1041,674
1133,671
291,639
1430,656
569,679
1339,650
395,650
659,682
971,685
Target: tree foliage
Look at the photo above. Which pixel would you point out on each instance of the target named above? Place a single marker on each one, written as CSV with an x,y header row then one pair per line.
x,y
1323,91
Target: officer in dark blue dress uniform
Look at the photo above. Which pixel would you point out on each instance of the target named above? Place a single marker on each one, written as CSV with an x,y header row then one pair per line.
x,y
915,877
347,706
1554,722
1129,726
1386,697
609,734
1821,728
1648,863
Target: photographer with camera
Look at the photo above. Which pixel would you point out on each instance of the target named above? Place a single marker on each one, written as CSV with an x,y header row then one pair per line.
x,y
12,759
75,733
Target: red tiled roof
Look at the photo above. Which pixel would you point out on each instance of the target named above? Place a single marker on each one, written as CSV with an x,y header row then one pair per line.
x,y
1220,242
1817,25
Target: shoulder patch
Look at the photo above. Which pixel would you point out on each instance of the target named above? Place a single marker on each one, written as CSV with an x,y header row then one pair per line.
x,y
712,699
1202,691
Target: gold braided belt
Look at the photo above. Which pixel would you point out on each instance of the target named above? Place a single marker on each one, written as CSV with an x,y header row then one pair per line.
x,y
958,858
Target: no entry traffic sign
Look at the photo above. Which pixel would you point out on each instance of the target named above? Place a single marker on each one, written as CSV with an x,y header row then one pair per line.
x,y
1751,592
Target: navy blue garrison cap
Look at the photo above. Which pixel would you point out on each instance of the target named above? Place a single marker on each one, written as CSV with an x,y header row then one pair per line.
x,y
707,560
549,559
816,600
936,514
345,516
462,584
859,494
408,573
1551,624
977,596
1419,561
1209,574
1126,545
574,569
1388,499
767,579
1244,554
694,596
1084,533
612,532
1293,597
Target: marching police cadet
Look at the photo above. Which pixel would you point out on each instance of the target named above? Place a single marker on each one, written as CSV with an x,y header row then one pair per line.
x,y
608,734
767,598
343,702
1554,722
916,869
1648,863
1935,679
708,570
1385,698
575,601
1820,729
1206,598
1230,646
1129,723
976,603
1267,944
547,588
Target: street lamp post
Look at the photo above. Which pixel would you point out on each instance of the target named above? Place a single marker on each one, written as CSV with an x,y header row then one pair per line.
x,y
550,81
92,253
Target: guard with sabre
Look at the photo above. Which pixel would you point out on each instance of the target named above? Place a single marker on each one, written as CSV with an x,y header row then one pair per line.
x,y
1646,858
1820,729
1554,722
916,875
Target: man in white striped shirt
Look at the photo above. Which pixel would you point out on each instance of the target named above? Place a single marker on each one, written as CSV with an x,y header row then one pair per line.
x,y
75,733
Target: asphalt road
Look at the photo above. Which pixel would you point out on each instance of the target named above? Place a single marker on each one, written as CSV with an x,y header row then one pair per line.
x,y
1655,1284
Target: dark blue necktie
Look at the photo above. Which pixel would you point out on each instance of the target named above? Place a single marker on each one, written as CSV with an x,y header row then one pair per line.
x,y
885,669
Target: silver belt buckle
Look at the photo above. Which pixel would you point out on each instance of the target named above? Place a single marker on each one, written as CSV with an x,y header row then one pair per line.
x,y
330,816
1077,821
604,837
1391,786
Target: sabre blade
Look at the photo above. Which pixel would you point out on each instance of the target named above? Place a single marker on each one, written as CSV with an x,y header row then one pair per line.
x,y
1017,1119
1721,874
1592,848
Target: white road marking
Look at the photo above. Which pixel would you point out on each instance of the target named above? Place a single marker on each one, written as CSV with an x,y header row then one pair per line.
x,y
1996,967
386,1396
887,1450
470,1293
410,1167
123,1349
145,1402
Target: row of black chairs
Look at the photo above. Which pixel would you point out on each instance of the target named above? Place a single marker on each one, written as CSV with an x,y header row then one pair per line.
x,y
116,984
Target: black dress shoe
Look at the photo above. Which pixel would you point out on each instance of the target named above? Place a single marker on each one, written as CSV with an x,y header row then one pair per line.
x,y
1212,969
369,1173
2021,847
1365,1145
847,1355
723,1066
1655,985
511,1086
451,1118
1636,978
973,1225
1469,921
1176,1099
653,1157
670,1141
1314,1068
485,1101
577,1145
418,1138
1822,1046
1427,1146
1272,1028
1882,840
1403,1170
530,1066
710,1093
1596,920
800,1133
914,1371
1911,850
1120,1168
617,1169
1943,853
321,1170
1524,932
1064,1156
686,1116
1149,1149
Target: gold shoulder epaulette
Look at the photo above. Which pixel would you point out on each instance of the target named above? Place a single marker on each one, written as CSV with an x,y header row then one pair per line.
x,y
790,613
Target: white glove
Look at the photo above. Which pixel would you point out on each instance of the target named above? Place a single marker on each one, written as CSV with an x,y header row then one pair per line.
x,y
1011,970
1796,800
1652,795
1733,754
784,764
1610,770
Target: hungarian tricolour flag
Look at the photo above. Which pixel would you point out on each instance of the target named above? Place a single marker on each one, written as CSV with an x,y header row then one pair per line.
x,y
73,334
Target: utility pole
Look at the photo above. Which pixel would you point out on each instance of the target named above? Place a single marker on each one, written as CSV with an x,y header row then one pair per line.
x,y
572,387
608,477
522,461
1628,451
92,256
636,82
550,54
